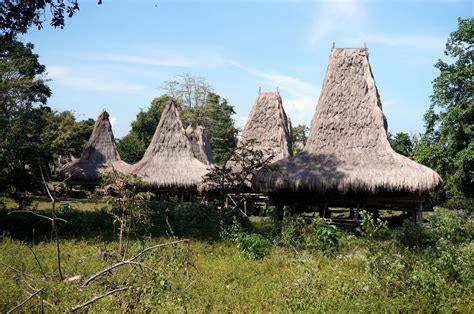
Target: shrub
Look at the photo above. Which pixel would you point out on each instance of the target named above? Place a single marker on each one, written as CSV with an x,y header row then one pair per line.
x,y
292,232
445,224
373,227
254,245
414,235
328,237
192,220
460,204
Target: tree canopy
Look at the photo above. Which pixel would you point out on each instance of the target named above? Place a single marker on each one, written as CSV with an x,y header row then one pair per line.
x,y
16,16
448,142
213,113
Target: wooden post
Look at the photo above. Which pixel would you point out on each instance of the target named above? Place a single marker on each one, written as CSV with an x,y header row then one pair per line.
x,y
279,212
419,213
351,213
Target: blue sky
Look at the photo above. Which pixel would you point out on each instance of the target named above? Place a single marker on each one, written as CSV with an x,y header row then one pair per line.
x,y
118,55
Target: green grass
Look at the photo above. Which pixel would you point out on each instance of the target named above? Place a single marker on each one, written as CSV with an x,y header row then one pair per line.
x,y
365,275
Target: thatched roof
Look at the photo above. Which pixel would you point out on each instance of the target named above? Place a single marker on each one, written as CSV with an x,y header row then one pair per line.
x,y
268,126
200,144
169,161
348,149
99,154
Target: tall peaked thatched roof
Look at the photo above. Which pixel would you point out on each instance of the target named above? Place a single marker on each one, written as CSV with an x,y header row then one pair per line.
x,y
348,149
169,161
100,153
200,144
268,126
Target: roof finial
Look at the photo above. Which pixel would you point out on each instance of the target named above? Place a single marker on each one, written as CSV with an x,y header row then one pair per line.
x,y
365,45
278,91
259,89
333,45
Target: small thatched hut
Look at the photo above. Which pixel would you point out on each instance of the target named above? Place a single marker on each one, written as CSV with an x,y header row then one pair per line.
x,y
268,128
200,144
169,162
99,154
348,160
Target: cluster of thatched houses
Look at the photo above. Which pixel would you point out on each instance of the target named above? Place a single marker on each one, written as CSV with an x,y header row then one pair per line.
x,y
347,160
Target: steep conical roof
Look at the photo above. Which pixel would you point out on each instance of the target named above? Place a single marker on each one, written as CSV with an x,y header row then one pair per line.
x,y
348,149
268,126
100,152
200,144
169,161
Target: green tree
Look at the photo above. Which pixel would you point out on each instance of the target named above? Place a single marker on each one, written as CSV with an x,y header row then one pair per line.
x,y
216,118
16,16
447,144
145,123
23,115
401,143
299,136
131,148
66,136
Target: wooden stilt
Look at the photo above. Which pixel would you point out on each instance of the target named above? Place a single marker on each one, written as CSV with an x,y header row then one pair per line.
x,y
279,212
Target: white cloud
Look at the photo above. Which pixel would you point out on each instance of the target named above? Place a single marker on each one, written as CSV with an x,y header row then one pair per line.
x,y
299,97
69,77
423,42
113,121
337,15
301,109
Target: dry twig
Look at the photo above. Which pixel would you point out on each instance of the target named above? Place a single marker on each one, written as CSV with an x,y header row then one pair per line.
x,y
95,299
129,261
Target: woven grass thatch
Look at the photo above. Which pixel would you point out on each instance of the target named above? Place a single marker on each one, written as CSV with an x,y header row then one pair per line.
x,y
268,126
347,150
169,161
200,144
99,154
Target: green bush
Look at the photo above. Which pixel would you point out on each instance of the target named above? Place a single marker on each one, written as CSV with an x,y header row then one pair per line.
x,y
373,227
414,235
460,204
448,225
191,220
292,232
254,245
328,237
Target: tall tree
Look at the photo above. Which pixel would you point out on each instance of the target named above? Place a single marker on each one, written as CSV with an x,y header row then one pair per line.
x,y
448,142
216,118
299,135
401,143
16,16
146,121
189,90
23,115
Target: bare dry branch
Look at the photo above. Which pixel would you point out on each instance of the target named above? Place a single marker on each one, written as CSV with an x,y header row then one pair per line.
x,y
95,299
26,300
129,261
16,270
36,214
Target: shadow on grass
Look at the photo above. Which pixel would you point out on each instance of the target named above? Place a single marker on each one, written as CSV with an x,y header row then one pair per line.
x,y
198,221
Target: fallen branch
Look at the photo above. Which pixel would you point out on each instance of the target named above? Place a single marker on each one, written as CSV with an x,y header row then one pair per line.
x,y
26,300
36,214
95,299
129,261
16,270
37,261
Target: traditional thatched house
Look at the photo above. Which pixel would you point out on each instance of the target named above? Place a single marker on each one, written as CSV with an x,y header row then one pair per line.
x,y
169,162
268,126
348,160
100,153
200,144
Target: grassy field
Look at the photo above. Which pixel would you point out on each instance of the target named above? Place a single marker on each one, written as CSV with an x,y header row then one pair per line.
x,y
361,274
